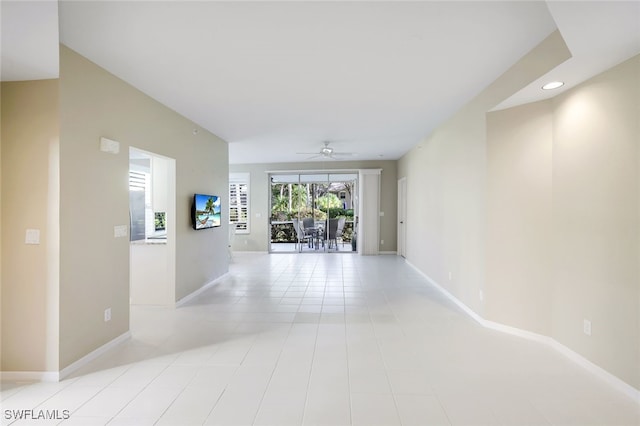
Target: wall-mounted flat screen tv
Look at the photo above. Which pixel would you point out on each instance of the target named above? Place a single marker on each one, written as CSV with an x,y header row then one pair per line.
x,y
205,211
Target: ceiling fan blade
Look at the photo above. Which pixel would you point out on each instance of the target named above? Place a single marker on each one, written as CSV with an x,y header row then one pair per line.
x,y
327,152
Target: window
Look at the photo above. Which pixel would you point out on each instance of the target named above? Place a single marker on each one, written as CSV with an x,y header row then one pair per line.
x,y
139,200
239,202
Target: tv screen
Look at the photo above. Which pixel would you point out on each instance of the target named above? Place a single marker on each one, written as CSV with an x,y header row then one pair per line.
x,y
205,211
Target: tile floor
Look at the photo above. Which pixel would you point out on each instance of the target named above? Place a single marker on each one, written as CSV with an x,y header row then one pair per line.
x,y
289,339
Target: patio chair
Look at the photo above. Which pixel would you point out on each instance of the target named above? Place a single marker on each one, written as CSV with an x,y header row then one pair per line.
x,y
341,223
301,235
308,225
332,231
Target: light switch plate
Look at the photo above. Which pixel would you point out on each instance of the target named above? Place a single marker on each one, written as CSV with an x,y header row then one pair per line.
x,y
120,231
32,236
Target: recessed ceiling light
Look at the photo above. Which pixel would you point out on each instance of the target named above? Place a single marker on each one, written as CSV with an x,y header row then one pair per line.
x,y
553,85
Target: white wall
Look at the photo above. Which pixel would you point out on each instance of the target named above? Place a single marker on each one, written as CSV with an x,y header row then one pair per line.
x,y
161,180
152,274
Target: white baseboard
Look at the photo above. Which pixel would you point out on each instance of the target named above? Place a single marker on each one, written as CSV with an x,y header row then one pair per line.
x,y
389,252
450,296
29,376
196,293
603,374
56,376
94,354
600,372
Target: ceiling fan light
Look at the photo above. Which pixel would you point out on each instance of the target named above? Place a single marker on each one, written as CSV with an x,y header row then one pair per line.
x,y
553,85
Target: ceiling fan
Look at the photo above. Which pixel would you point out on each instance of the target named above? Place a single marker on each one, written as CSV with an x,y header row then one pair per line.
x,y
327,152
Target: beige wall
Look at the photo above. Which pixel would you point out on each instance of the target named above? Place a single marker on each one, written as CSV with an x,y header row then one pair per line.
x,y
29,201
258,239
519,280
596,179
94,272
447,184
563,224
548,197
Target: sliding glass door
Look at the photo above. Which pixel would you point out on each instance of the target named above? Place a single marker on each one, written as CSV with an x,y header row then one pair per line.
x,y
313,212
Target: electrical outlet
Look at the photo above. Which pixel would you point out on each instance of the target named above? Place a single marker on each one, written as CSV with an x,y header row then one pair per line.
x,y
381,242
107,314
586,327
450,276
481,296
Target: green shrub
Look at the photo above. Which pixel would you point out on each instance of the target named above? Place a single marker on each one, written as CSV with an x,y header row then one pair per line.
x,y
340,212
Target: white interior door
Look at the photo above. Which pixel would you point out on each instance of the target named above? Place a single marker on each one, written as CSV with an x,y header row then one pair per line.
x,y
402,216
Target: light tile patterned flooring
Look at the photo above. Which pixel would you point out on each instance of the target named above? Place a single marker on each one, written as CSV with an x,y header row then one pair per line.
x,y
326,339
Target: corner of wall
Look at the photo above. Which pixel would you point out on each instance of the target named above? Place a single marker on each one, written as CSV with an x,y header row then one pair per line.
x,y
29,279
94,264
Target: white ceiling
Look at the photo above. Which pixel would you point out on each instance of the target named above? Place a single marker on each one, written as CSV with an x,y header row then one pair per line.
x,y
599,35
28,40
276,78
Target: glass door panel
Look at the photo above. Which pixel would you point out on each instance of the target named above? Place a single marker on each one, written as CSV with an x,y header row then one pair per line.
x,y
284,203
315,203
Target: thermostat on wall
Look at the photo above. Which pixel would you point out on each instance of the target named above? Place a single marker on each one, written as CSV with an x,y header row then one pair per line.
x,y
107,145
